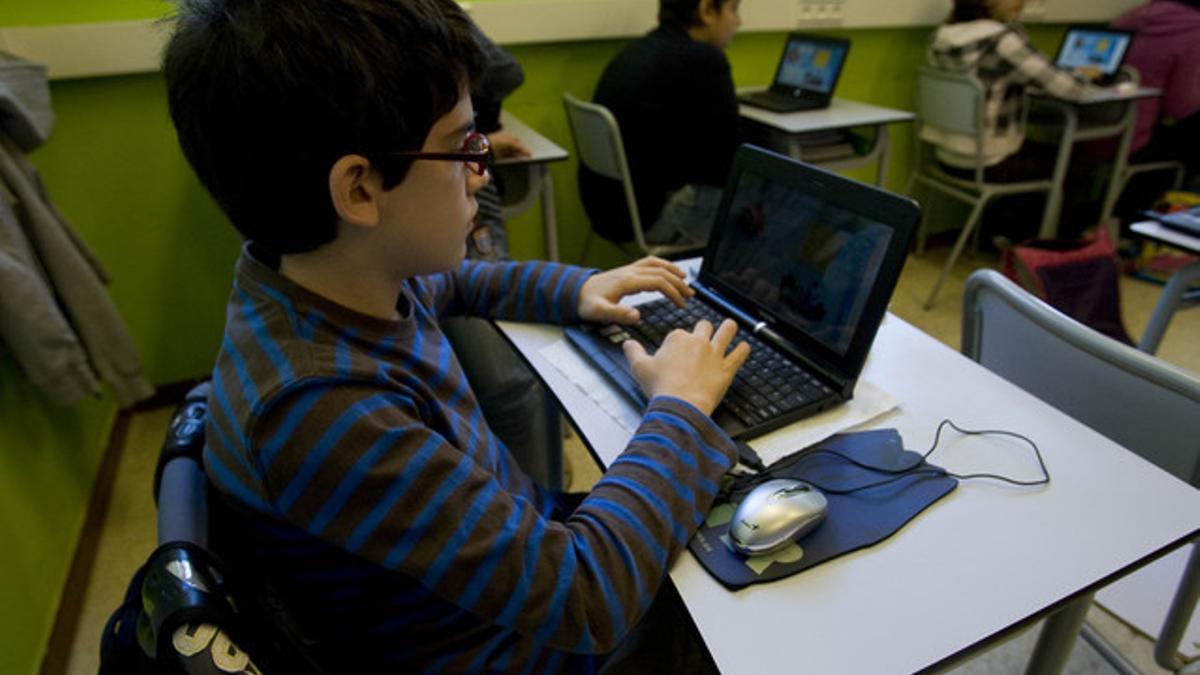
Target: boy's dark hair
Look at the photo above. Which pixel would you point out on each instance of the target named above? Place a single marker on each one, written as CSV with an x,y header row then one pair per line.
x,y
970,10
682,13
267,95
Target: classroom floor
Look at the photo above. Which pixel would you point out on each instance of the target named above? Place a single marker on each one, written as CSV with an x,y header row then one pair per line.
x,y
127,536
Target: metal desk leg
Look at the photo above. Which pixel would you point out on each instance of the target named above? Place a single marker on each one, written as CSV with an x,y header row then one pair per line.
x,y
549,222
1054,198
1116,179
1166,649
881,140
1058,638
1171,298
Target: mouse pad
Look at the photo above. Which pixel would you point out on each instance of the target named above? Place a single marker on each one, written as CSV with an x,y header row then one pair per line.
x,y
853,521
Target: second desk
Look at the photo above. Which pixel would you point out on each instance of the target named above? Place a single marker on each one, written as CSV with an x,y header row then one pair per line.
x,y
787,131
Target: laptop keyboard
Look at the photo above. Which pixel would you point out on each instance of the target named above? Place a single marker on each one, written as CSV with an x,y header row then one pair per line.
x,y
766,386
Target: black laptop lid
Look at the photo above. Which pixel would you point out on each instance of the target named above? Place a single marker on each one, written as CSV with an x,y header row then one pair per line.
x,y
812,254
810,63
1100,49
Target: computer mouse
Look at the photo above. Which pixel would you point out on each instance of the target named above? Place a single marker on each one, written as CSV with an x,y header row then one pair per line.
x,y
774,514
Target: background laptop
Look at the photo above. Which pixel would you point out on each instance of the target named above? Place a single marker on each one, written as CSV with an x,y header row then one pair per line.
x,y
1097,51
807,73
806,261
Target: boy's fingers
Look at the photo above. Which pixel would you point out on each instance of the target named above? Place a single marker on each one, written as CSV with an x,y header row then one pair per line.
x,y
724,334
667,265
739,355
660,283
634,352
703,329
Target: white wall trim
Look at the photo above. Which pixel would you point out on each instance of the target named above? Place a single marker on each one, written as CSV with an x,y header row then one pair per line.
x,y
122,47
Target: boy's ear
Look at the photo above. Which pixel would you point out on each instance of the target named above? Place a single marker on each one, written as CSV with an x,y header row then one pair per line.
x,y
706,13
354,189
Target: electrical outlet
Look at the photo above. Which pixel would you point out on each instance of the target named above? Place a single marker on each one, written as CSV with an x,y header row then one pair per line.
x,y
819,12
1034,10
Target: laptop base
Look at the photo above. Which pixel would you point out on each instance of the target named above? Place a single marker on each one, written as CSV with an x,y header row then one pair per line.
x,y
781,103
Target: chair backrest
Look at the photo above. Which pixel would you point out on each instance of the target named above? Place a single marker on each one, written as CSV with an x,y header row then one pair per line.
x,y
599,147
950,101
1137,400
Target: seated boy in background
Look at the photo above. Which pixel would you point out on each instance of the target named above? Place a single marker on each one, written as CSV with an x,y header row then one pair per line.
x,y
672,94
367,490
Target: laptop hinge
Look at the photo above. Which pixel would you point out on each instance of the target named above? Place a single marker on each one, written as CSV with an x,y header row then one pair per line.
x,y
762,331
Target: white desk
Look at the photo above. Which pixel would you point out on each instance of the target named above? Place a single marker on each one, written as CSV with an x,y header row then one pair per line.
x,y
789,128
1069,131
984,561
1175,294
535,180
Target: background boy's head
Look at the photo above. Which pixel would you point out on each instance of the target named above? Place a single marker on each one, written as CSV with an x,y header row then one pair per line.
x,y
998,10
266,96
711,21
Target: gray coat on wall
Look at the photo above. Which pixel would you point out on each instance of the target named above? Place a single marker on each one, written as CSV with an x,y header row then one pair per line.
x,y
56,317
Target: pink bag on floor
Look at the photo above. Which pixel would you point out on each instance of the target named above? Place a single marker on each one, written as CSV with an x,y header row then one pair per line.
x,y
1078,278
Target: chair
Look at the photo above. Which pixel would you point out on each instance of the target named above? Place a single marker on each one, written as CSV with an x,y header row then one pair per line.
x,y
1137,400
187,614
954,102
597,139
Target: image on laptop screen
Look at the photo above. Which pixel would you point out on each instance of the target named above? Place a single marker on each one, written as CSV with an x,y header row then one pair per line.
x,y
806,261
811,65
1099,49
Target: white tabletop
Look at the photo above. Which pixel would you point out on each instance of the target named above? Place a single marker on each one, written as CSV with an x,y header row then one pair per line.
x,y
984,559
1108,95
542,149
1156,230
840,114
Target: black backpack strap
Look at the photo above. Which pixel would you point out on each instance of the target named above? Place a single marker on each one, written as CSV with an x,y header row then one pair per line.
x,y
182,583
120,653
185,436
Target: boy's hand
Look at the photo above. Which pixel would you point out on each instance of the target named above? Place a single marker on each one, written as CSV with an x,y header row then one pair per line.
x,y
692,366
505,144
601,293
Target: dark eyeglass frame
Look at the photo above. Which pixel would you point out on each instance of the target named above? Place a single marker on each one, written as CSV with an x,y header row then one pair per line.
x,y
477,161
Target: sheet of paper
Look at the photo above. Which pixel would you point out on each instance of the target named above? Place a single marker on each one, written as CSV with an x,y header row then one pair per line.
x,y
868,403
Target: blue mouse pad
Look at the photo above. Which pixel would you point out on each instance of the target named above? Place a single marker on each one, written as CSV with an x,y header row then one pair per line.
x,y
853,521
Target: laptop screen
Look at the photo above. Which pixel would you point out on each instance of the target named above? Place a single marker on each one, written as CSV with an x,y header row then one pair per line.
x,y
1098,49
799,257
811,65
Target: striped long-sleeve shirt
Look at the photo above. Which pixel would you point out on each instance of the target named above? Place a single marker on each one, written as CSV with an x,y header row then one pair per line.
x,y
396,526
1001,56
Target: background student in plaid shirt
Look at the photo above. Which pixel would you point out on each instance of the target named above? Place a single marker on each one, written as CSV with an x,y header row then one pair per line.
x,y
981,37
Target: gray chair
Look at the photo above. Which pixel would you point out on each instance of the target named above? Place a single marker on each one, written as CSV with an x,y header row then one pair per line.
x,y
1137,400
598,145
954,103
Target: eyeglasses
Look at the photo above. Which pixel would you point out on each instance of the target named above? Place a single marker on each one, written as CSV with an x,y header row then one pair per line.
x,y
475,151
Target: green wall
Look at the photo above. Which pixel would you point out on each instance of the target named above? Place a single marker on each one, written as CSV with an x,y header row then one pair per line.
x,y
114,169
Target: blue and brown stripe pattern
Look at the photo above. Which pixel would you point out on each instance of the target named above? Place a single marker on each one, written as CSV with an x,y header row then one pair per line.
x,y
397,526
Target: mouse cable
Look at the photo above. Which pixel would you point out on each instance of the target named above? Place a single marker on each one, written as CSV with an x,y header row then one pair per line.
x,y
748,481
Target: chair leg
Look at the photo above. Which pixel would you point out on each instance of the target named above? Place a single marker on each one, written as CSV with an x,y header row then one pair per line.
x,y
587,245
923,225
972,220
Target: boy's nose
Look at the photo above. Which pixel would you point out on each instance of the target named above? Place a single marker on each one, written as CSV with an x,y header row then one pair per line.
x,y
475,182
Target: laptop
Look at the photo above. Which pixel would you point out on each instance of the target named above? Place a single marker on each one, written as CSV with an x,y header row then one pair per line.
x,y
807,73
1096,53
1186,221
805,261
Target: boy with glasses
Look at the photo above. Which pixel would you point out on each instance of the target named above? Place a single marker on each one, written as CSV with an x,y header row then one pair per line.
x,y
355,475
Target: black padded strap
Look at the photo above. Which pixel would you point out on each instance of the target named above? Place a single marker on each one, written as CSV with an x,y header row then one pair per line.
x,y
185,436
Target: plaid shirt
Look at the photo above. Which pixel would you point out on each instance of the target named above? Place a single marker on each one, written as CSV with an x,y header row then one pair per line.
x,y
1001,56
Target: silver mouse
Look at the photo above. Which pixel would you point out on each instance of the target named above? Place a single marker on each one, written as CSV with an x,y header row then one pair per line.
x,y
774,514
